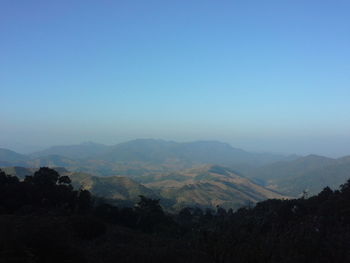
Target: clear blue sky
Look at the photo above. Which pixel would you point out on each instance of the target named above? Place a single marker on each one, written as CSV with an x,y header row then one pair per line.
x,y
261,75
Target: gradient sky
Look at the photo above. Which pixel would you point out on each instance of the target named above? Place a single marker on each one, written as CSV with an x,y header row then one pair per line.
x,y
261,75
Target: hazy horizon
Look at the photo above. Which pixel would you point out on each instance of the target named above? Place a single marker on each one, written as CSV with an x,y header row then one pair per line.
x,y
264,76
28,149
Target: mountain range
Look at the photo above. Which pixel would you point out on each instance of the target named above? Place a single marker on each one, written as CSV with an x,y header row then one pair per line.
x,y
207,186
202,173
309,174
139,157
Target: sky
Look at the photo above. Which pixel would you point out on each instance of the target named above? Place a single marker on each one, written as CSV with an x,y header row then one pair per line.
x,y
266,76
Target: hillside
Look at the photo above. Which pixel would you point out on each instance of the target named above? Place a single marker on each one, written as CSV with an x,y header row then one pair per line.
x,y
53,161
18,171
140,157
205,186
146,158
111,187
208,186
78,151
11,157
44,219
311,173
185,154
119,190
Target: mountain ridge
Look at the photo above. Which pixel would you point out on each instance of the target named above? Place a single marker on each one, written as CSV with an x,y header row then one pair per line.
x,y
146,155
310,173
206,186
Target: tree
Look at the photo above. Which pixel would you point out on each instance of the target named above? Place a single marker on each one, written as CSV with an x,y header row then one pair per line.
x,y
325,194
84,202
64,180
44,177
148,205
150,213
345,188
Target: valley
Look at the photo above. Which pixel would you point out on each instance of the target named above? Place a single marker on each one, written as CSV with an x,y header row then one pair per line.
x,y
203,174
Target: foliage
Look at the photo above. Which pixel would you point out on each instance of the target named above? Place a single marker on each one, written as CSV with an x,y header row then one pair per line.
x,y
43,219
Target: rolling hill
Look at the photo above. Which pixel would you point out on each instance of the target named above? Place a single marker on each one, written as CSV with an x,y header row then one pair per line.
x,y
311,173
140,157
111,187
143,159
79,151
208,186
117,189
11,157
205,186
170,153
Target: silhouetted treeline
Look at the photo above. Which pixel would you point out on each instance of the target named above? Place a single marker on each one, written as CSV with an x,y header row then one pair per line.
x,y
43,219
45,190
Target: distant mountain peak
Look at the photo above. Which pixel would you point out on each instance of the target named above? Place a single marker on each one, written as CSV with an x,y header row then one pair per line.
x,y
90,143
316,156
76,151
7,155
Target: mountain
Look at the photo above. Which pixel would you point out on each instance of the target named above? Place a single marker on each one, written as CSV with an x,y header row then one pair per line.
x,y
63,225
205,186
112,187
117,189
292,168
53,161
11,157
20,172
78,151
184,155
311,173
290,175
140,157
208,186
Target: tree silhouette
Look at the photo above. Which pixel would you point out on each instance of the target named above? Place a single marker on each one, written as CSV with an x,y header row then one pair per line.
x,y
84,202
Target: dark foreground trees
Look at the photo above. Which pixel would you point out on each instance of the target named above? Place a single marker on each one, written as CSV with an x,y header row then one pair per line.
x,y
43,219
45,190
